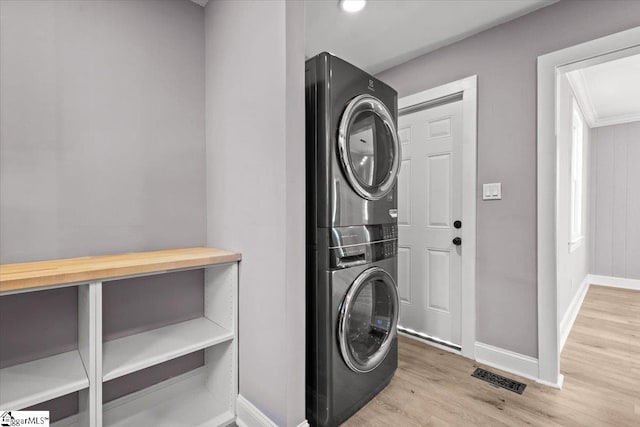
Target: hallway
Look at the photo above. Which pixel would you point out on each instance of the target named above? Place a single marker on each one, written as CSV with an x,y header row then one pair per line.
x,y
600,362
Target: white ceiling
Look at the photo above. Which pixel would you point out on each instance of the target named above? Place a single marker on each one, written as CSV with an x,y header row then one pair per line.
x,y
387,33
609,93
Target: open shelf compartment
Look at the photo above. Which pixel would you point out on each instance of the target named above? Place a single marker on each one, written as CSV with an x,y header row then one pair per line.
x,y
199,398
202,397
135,352
62,374
34,382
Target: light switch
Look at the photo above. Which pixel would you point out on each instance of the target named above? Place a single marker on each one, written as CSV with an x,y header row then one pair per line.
x,y
492,191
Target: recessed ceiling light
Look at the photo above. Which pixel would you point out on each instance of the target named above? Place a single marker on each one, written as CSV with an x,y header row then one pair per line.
x,y
352,6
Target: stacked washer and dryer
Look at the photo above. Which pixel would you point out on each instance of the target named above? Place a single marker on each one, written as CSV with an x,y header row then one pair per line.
x,y
352,162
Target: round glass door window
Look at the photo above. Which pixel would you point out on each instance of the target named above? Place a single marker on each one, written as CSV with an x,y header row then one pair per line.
x,y
368,147
368,320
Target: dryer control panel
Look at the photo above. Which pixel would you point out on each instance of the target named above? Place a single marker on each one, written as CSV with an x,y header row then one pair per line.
x,y
356,245
361,234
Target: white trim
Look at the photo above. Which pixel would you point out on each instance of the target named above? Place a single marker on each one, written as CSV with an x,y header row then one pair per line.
x,y
557,385
583,98
548,322
616,120
469,89
575,244
442,91
248,415
572,311
505,360
615,282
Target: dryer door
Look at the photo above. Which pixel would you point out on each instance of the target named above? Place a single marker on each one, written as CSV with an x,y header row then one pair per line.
x,y
368,320
368,147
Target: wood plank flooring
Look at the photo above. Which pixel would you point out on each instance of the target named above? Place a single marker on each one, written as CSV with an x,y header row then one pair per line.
x,y
600,362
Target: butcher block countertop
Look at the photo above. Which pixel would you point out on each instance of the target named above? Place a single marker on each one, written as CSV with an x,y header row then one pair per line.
x,y
22,276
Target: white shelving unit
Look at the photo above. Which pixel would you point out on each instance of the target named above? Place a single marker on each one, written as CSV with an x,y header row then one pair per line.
x,y
203,397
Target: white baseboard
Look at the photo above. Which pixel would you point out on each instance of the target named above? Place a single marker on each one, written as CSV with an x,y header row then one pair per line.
x,y
248,415
509,361
572,311
615,282
557,385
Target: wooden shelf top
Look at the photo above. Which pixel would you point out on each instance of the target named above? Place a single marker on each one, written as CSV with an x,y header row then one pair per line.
x,y
74,270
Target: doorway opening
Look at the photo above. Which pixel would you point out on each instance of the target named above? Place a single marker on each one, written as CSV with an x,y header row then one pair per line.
x,y
571,149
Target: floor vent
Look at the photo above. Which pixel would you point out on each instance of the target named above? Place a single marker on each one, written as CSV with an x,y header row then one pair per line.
x,y
499,381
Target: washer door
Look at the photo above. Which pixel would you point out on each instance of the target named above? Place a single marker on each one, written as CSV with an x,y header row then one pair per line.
x,y
368,320
368,147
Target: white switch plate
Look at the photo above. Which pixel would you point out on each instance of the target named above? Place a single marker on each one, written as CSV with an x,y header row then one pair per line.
x,y
492,191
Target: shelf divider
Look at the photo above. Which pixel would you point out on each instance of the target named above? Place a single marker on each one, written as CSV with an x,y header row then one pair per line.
x,y
90,348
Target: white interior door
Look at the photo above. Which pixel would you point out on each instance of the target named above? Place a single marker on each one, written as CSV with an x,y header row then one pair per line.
x,y
429,202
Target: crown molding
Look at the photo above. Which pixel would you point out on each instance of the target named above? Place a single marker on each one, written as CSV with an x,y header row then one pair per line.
x,y
580,89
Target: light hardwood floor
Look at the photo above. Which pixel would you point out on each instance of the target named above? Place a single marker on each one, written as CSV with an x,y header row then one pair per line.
x,y
600,362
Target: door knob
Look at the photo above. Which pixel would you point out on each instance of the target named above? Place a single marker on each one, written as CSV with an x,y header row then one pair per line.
x,y
457,224
457,241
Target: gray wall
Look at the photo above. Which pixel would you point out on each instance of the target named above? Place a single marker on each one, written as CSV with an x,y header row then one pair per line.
x,y
46,337
168,298
616,186
101,151
102,127
573,263
255,188
504,58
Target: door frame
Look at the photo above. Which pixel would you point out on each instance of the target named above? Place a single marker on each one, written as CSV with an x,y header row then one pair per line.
x,y
548,69
468,88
